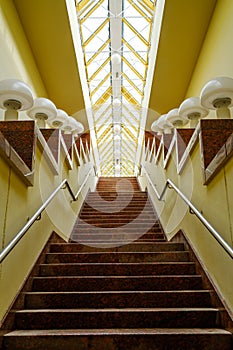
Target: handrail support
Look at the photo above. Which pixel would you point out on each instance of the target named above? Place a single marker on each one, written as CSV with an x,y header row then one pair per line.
x,y
192,210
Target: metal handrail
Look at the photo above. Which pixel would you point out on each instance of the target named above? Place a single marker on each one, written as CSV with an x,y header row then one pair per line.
x,y
194,210
64,184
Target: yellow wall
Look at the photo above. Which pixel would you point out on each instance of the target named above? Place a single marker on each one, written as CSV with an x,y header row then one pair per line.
x,y
215,200
16,59
19,202
216,56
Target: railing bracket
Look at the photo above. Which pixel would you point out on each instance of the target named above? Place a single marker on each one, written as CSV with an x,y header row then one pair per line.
x,y
191,211
38,217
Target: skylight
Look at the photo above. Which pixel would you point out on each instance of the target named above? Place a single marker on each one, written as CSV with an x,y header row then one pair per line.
x,y
116,41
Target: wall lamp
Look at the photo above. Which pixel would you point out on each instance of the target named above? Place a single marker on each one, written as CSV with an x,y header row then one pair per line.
x,y
15,96
218,94
192,110
43,110
60,119
156,128
174,118
71,126
164,124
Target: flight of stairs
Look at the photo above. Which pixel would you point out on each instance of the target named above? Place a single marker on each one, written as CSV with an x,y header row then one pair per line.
x,y
105,291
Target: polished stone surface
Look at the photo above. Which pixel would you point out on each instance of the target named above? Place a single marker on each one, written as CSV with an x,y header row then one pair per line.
x,y
183,137
52,137
215,145
21,136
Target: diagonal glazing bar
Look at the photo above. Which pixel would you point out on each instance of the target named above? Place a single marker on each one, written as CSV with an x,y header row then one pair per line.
x,y
133,69
131,49
132,84
95,55
89,13
145,42
96,32
100,84
142,13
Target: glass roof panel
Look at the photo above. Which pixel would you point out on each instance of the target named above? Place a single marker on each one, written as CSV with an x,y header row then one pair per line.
x,y
116,84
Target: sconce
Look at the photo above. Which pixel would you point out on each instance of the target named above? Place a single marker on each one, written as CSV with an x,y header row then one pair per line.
x,y
79,129
59,120
175,118
164,124
218,94
156,128
15,96
71,126
192,110
42,110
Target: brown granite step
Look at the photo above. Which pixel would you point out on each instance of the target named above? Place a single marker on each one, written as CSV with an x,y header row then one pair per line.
x,y
112,339
113,239
132,247
118,257
140,299
116,318
118,269
117,283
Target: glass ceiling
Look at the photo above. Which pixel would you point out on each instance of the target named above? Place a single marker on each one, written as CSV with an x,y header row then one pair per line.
x,y
116,41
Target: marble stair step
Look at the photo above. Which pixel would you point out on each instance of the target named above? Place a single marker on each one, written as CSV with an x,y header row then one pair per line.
x,y
104,243
137,246
117,269
118,257
112,339
116,318
133,299
117,283
107,235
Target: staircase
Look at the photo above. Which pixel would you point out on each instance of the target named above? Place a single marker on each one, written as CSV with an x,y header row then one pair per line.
x,y
105,291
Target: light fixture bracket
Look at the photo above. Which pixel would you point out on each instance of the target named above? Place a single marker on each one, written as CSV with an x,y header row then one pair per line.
x,y
12,104
222,102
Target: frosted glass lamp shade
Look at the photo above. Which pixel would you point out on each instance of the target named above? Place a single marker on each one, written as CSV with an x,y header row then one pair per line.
x,y
79,128
59,120
72,126
116,58
42,109
191,108
155,127
217,89
117,128
175,118
116,103
117,138
164,124
15,94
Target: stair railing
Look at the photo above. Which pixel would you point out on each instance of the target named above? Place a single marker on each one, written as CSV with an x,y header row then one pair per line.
x,y
63,185
169,184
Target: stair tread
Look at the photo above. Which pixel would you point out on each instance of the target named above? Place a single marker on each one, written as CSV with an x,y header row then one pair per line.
x,y
122,263
120,310
110,331
117,277
196,291
121,253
